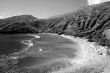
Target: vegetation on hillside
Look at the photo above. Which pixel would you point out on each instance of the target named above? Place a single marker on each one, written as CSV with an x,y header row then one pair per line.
x,y
89,22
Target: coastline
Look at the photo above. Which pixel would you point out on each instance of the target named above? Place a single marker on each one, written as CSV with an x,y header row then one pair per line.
x,y
88,56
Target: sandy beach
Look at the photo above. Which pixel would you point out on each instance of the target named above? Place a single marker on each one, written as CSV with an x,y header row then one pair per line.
x,y
90,55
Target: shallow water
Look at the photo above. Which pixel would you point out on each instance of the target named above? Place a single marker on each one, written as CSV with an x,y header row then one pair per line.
x,y
44,49
12,43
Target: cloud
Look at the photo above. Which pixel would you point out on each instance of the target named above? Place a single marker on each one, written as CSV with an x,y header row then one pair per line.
x,y
1,17
92,2
6,14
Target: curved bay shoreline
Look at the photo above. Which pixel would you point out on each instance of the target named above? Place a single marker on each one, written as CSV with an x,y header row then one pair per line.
x,y
89,56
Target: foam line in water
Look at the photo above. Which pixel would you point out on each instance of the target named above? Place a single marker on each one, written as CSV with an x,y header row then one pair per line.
x,y
36,36
28,44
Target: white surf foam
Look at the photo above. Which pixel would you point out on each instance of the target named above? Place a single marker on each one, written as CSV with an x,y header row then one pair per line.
x,y
36,36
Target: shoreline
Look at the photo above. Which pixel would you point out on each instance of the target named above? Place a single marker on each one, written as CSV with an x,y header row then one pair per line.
x,y
88,55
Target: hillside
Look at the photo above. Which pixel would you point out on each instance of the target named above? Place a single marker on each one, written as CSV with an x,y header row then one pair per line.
x,y
89,22
16,24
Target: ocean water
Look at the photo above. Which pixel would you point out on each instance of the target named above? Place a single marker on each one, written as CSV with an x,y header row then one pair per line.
x,y
12,43
36,49
45,51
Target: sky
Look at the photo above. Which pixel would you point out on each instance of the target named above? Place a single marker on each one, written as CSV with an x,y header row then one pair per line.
x,y
92,2
39,8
